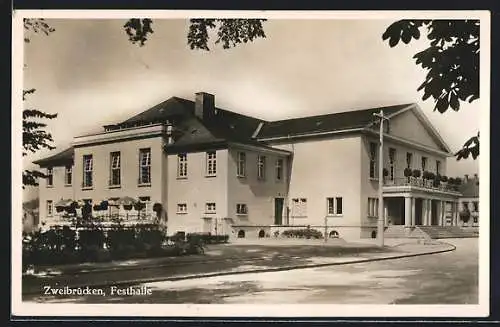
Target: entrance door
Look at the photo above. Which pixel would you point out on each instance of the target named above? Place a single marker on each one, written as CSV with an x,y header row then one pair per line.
x,y
278,211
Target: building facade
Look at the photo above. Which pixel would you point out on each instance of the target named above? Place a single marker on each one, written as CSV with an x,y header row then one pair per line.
x,y
213,170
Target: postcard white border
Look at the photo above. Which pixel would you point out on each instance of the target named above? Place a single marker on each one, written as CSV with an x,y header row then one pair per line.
x,y
232,310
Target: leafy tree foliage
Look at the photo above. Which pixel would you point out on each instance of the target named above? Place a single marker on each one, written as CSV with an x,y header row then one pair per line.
x,y
230,32
451,62
35,137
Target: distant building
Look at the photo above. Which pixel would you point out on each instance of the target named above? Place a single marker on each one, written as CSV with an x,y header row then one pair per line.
x,y
214,170
469,199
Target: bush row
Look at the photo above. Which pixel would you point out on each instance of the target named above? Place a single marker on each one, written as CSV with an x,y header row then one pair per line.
x,y
207,238
302,233
60,245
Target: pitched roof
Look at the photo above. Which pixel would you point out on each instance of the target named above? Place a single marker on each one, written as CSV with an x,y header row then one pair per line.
x,y
170,108
324,123
59,159
470,189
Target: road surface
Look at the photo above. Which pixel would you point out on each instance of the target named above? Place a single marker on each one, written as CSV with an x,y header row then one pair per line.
x,y
447,278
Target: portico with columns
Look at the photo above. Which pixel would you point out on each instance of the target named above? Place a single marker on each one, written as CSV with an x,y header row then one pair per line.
x,y
410,206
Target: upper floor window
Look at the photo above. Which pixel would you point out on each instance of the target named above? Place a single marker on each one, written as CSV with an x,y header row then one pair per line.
x,y
211,163
88,166
49,207
409,160
182,165
279,169
68,175
373,159
438,167
115,165
334,206
261,167
392,160
50,176
241,168
145,166
424,163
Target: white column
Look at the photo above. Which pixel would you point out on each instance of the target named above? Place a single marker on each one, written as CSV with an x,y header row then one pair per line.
x,y
386,213
413,216
424,212
443,213
427,212
408,210
439,213
456,213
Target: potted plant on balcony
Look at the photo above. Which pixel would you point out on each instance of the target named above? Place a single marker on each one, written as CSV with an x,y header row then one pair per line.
x,y
444,178
437,180
416,173
408,174
139,206
385,172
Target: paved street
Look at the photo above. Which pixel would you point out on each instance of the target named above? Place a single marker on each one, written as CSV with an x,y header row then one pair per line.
x,y
447,278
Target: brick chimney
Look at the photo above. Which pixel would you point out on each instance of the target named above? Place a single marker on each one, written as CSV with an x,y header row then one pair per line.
x,y
204,107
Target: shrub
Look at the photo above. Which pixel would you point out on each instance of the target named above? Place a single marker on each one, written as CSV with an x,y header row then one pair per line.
x,y
407,172
207,238
120,240
149,237
444,178
91,239
416,173
303,233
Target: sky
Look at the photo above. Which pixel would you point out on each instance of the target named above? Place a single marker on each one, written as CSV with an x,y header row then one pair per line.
x,y
91,75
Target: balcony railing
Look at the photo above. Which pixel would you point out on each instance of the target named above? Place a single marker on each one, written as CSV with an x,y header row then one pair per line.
x,y
420,182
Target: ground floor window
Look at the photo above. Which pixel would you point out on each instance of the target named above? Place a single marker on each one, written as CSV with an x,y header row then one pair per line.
x,y
372,207
50,207
182,208
210,207
241,234
334,206
241,209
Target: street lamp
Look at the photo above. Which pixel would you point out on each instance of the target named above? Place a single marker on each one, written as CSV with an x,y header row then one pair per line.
x,y
381,220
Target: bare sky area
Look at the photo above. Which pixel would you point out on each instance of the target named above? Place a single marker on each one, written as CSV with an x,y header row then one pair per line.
x,y
91,75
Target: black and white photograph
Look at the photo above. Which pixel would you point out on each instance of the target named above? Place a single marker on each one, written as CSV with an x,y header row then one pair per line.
x,y
239,163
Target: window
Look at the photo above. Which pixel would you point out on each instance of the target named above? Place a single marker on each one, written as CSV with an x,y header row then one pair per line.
x,y
211,163
392,159
261,167
87,170
373,160
68,175
241,169
115,164
299,207
182,165
438,167
279,169
50,176
210,207
182,208
334,206
424,163
241,209
145,166
475,205
466,206
409,160
372,207
49,208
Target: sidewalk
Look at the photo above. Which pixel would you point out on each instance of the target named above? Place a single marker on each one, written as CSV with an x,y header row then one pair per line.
x,y
224,259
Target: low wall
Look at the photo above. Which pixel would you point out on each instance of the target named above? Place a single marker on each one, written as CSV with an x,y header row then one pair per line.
x,y
275,231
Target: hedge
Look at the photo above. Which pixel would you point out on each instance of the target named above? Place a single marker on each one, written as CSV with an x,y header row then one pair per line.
x,y
303,233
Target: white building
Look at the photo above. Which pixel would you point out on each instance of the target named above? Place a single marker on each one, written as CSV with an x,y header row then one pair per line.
x,y
214,170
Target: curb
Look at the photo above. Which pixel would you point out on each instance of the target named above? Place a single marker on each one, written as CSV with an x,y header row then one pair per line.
x,y
262,270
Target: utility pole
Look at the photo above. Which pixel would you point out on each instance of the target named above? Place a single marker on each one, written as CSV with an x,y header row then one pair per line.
x,y
381,218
